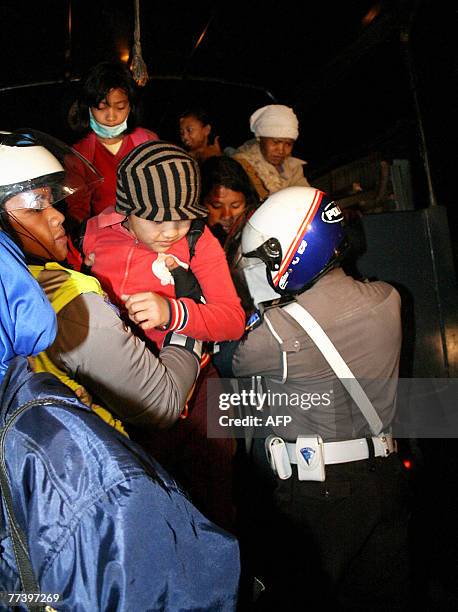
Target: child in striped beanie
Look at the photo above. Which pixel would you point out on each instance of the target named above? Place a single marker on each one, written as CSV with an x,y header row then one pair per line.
x,y
134,245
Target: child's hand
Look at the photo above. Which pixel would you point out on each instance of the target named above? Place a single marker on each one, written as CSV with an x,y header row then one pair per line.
x,y
203,153
171,263
186,284
147,309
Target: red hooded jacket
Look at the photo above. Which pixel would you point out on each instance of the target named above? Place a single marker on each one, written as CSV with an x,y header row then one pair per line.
x,y
125,266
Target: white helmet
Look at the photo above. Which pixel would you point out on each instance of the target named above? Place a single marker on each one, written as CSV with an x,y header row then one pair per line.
x,y
291,240
31,159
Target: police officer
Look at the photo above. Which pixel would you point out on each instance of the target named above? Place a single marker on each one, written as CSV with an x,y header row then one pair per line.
x,y
329,491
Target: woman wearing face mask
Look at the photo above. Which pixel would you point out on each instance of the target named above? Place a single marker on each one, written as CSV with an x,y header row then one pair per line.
x,y
106,115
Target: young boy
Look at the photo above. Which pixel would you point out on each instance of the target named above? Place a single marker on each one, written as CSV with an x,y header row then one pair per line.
x,y
158,190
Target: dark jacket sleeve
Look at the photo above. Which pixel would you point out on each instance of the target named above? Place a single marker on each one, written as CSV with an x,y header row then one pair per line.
x,y
96,348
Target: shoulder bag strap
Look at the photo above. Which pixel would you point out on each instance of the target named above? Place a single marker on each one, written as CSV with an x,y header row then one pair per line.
x,y
21,552
335,360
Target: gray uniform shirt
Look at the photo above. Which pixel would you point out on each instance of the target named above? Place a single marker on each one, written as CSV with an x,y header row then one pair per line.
x,y
363,322
95,348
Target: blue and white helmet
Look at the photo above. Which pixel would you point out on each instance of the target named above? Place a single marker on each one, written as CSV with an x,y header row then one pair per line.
x,y
291,240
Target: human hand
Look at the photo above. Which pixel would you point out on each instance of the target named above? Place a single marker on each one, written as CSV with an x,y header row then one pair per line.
x,y
215,148
83,395
209,150
171,263
147,309
186,284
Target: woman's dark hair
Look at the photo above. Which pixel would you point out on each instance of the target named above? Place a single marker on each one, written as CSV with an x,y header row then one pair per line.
x,y
201,115
100,79
224,171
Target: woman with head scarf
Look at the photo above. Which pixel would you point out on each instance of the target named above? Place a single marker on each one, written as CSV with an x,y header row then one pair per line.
x,y
267,158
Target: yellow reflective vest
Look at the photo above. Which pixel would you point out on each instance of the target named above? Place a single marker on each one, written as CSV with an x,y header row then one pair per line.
x,y
75,284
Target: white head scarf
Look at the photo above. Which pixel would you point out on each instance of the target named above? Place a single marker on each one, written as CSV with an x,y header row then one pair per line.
x,y
275,121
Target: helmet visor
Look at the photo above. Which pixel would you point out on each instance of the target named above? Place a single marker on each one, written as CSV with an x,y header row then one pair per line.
x,y
37,199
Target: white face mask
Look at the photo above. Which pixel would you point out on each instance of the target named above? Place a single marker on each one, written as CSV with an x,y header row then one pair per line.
x,y
104,131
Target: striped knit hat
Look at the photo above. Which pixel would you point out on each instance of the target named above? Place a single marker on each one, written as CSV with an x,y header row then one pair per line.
x,y
159,181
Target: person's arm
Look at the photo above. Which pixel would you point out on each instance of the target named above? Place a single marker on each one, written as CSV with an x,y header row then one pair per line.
x,y
96,348
258,354
222,316
27,321
79,203
297,177
141,135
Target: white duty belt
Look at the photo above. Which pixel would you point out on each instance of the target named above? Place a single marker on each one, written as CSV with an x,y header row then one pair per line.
x,y
311,454
349,450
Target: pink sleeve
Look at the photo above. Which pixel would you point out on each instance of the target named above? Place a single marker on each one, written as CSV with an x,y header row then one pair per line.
x,y
222,317
153,135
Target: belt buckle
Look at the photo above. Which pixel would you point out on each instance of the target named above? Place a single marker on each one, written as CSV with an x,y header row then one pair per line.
x,y
390,444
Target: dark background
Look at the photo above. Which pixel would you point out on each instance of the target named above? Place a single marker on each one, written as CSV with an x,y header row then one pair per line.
x,y
357,84
341,65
